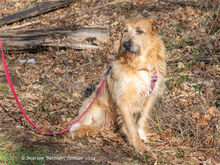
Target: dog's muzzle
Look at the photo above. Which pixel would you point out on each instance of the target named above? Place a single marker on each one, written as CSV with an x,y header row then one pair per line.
x,y
127,45
130,46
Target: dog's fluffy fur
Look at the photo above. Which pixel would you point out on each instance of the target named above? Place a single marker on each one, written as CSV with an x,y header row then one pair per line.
x,y
125,99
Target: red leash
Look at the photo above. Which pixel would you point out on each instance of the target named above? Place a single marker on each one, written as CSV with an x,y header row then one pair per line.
x,y
22,110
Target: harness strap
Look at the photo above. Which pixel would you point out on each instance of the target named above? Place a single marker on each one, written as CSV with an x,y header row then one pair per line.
x,y
153,82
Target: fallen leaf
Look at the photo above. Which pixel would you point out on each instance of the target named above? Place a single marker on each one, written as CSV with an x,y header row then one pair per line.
x,y
9,145
116,139
31,96
196,115
212,110
75,94
203,122
180,65
196,71
57,70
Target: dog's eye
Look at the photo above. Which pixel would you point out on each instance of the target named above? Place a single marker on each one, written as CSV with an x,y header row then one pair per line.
x,y
125,31
139,31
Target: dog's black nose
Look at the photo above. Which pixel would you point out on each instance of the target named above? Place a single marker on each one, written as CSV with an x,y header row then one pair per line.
x,y
127,45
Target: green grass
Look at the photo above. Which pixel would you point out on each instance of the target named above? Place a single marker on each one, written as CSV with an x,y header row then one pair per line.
x,y
36,157
197,86
179,154
183,78
145,156
16,155
3,89
181,26
171,45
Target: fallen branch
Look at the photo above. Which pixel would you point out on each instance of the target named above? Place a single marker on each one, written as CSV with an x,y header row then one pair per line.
x,y
181,3
71,45
77,37
41,8
22,25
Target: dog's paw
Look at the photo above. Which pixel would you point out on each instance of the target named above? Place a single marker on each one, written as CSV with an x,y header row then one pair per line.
x,y
139,145
141,148
143,135
73,132
74,127
80,131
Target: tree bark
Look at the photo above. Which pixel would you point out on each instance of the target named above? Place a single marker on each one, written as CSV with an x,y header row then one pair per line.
x,y
77,37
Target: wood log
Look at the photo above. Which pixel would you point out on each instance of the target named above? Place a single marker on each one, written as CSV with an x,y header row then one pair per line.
x,y
76,37
41,8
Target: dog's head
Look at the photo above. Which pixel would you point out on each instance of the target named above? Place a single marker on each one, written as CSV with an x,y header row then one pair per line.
x,y
137,36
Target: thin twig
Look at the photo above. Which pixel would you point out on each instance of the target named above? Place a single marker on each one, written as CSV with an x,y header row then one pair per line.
x,y
22,25
44,75
215,20
106,4
206,73
157,120
185,3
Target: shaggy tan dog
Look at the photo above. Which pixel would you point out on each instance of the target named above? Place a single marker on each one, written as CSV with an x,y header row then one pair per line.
x,y
128,94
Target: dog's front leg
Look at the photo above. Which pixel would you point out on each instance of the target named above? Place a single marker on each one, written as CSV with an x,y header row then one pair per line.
x,y
143,121
131,129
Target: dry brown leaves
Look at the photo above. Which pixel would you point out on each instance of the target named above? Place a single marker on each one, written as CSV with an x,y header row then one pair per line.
x,y
185,124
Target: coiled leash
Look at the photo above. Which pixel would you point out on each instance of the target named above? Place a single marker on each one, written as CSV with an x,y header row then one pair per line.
x,y
22,110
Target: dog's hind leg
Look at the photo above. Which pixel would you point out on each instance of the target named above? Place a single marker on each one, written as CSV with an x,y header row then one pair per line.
x,y
94,120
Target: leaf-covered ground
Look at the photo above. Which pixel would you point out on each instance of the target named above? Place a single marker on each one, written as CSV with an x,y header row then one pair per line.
x,y
185,124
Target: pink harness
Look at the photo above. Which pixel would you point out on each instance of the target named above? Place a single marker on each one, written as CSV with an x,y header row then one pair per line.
x,y
153,82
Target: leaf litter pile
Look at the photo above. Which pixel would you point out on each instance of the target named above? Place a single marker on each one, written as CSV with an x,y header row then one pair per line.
x,y
185,123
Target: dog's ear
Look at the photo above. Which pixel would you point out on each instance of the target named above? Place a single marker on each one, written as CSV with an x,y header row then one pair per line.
x,y
125,21
154,25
